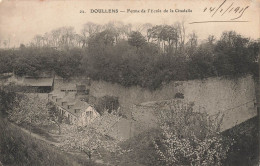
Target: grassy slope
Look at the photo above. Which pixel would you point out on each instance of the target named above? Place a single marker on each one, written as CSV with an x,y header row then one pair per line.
x,y
19,148
143,152
245,150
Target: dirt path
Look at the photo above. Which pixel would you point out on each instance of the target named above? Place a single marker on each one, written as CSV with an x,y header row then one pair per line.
x,y
37,136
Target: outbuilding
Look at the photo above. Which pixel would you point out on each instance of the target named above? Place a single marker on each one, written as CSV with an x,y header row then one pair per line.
x,y
38,84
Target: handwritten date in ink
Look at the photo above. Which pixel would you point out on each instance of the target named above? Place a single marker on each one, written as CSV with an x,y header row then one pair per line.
x,y
227,8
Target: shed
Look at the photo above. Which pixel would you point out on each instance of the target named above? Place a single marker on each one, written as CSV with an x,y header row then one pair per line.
x,y
38,84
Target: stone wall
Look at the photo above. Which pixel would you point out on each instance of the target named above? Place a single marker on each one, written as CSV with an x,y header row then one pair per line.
x,y
233,97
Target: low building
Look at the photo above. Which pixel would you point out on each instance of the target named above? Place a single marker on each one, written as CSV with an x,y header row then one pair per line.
x,y
39,85
77,112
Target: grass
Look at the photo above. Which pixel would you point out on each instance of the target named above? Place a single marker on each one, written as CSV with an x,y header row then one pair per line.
x,y
245,150
142,151
19,148
38,130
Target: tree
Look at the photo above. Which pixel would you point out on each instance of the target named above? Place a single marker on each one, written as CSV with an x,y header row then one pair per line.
x,y
181,31
136,39
86,140
88,30
191,138
235,54
211,39
193,40
192,43
7,98
29,109
54,115
166,36
22,46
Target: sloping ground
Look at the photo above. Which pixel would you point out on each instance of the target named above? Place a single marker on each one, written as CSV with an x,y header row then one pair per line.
x,y
122,130
138,151
245,150
142,151
19,148
243,153
104,123
113,126
146,114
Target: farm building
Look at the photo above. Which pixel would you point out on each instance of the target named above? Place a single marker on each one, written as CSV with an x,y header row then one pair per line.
x,y
72,108
39,85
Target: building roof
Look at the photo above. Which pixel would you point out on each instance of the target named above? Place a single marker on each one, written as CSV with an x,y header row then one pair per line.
x,y
69,98
38,81
80,105
57,93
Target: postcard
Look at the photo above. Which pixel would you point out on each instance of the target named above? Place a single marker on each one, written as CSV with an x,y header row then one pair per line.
x,y
129,83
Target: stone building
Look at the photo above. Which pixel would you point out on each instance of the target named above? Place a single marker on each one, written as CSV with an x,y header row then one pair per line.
x,y
73,108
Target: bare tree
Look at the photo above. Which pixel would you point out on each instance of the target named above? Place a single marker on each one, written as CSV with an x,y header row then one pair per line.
x,y
211,39
193,39
181,29
89,29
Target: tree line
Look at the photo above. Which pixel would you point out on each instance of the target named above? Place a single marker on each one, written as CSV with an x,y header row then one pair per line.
x,y
146,55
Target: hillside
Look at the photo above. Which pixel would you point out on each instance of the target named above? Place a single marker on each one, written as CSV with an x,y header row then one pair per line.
x,y
19,148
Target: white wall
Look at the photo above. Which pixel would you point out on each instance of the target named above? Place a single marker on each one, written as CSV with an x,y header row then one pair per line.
x,y
213,94
233,97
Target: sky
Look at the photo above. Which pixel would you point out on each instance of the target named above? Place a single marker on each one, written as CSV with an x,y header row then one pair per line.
x,y
21,20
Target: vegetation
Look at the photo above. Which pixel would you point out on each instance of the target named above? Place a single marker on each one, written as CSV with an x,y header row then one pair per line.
x,y
29,109
106,103
243,151
246,143
147,56
18,148
191,138
141,150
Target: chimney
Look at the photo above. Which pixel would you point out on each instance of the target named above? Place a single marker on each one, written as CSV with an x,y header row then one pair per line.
x,y
63,103
69,106
49,95
80,89
88,81
58,99
76,110
54,98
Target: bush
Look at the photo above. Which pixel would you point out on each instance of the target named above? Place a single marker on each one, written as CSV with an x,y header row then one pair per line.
x,y
108,103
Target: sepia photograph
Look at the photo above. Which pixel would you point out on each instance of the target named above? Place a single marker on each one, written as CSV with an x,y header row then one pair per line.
x,y
129,83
